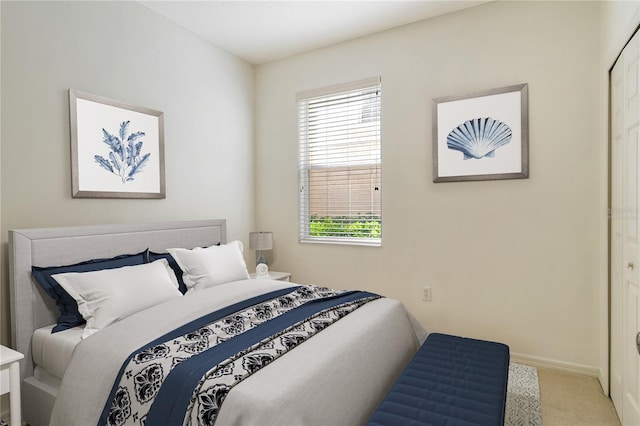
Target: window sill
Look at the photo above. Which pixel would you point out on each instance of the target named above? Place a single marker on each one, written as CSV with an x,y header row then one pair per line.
x,y
368,242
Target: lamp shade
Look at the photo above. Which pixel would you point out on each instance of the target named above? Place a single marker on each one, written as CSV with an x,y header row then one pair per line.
x,y
260,240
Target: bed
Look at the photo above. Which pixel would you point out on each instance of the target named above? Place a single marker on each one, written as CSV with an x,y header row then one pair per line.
x,y
322,380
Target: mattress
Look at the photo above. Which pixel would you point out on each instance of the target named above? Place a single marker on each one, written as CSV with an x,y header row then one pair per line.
x,y
52,351
322,381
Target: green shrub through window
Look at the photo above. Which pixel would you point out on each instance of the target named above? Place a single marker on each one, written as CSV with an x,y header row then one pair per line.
x,y
343,226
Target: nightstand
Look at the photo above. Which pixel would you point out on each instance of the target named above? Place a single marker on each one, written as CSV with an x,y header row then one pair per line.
x,y
278,276
10,381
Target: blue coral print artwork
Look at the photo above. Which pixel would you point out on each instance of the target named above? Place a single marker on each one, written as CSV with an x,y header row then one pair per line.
x,y
479,138
125,159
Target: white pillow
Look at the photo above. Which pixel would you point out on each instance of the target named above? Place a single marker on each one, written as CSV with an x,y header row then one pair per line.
x,y
109,295
210,266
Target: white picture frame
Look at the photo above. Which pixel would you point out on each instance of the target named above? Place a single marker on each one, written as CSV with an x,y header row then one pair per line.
x,y
482,136
117,150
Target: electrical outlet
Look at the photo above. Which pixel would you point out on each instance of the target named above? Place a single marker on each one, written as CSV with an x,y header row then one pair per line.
x,y
426,294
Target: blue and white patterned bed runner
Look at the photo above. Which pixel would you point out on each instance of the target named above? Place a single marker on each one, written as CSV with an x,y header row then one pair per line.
x,y
183,377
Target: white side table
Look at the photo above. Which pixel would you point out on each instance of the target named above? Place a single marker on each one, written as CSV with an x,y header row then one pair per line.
x,y
278,276
10,381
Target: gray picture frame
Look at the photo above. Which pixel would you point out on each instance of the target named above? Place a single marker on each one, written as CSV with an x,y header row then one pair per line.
x,y
103,124
455,161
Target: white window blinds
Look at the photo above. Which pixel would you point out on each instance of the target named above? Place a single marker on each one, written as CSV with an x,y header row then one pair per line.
x,y
339,165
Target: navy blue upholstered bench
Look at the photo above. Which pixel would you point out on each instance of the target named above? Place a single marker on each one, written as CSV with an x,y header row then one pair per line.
x,y
450,381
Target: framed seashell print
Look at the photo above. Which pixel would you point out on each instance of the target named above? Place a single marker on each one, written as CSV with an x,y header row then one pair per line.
x,y
117,150
482,136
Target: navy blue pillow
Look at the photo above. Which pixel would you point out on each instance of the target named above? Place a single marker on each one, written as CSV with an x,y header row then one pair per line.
x,y
69,315
173,264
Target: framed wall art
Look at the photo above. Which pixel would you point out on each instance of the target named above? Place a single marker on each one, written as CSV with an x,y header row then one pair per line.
x,y
482,136
117,150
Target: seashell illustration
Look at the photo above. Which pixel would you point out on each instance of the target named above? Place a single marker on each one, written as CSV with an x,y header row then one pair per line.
x,y
479,138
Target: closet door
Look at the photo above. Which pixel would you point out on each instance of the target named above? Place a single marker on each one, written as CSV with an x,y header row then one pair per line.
x,y
625,234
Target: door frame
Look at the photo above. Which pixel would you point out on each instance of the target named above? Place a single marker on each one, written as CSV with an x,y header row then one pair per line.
x,y
610,59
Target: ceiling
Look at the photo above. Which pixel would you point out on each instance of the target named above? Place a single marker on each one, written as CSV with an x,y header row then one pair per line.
x,y
263,31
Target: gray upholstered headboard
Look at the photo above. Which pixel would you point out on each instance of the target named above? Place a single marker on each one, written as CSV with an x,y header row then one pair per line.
x,y
32,308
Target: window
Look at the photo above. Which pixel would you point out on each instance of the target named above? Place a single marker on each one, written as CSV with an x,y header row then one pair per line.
x,y
339,165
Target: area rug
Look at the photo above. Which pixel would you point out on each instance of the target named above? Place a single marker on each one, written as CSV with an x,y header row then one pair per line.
x,y
523,397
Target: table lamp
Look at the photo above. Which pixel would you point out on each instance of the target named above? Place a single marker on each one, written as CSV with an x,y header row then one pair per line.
x,y
261,241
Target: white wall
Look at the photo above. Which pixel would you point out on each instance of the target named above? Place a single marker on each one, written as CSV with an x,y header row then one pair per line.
x,y
618,21
123,51
514,261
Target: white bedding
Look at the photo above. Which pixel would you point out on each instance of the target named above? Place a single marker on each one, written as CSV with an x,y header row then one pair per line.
x,y
337,377
52,352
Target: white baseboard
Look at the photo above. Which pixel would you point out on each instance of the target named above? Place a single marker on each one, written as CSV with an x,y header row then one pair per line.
x,y
567,367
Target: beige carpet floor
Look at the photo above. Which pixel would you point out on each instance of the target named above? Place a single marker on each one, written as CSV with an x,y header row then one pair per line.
x,y
574,400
